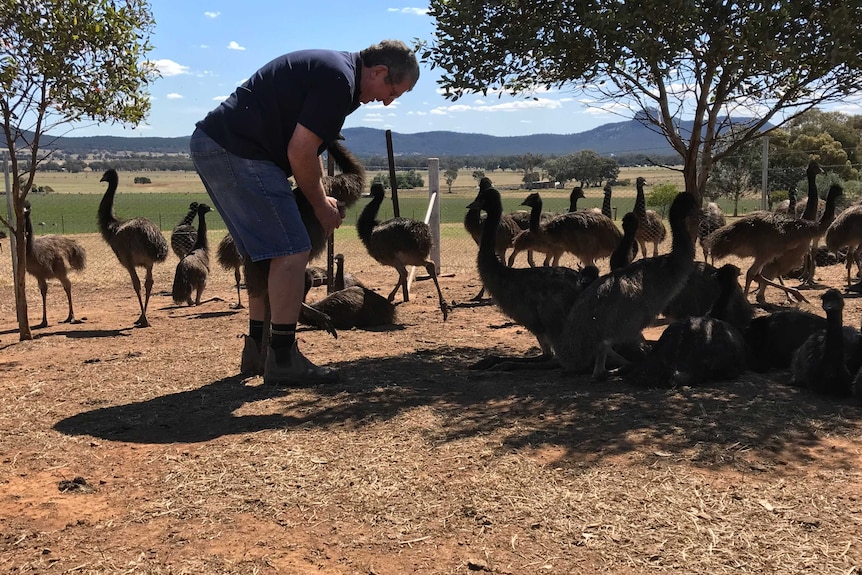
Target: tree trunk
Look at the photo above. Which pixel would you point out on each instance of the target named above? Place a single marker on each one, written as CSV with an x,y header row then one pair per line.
x,y
20,283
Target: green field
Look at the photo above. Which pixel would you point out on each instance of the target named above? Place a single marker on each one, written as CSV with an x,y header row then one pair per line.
x,y
73,205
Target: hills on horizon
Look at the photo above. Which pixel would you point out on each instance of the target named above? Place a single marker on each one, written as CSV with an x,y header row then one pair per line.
x,y
619,138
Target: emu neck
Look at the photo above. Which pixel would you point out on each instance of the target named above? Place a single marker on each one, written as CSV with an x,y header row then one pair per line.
x,y
828,213
606,204
682,244
640,201
201,241
487,245
368,219
28,233
810,212
535,216
107,219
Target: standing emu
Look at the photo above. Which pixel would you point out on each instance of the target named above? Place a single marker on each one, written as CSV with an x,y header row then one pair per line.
x,y
711,219
51,257
194,269
229,258
398,243
136,242
650,227
184,235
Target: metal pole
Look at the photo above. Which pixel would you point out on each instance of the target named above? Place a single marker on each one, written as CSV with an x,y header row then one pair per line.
x,y
393,180
764,178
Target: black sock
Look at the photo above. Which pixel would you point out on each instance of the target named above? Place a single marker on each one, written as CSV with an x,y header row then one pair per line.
x,y
255,331
283,336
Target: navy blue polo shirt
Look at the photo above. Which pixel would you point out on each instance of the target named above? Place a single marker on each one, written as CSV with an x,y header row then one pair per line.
x,y
316,88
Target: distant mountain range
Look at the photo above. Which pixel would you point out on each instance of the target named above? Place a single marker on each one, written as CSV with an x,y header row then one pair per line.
x,y
619,138
630,137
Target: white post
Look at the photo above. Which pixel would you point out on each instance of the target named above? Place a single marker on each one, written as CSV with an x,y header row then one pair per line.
x,y
432,217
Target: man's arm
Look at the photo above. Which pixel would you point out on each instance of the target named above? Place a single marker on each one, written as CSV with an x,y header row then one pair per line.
x,y
305,163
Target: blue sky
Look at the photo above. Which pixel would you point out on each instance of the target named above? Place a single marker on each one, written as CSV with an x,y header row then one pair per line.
x,y
205,48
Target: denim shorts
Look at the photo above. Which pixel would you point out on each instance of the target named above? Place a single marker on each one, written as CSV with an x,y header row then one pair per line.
x,y
253,197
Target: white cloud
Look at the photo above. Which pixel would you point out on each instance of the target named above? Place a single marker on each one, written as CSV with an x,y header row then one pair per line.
x,y
234,46
480,105
170,68
174,96
220,98
415,11
209,14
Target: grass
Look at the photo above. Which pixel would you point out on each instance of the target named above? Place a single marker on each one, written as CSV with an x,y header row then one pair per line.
x,y
73,206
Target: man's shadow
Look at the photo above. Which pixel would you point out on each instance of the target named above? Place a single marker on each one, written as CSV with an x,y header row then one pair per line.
x,y
189,416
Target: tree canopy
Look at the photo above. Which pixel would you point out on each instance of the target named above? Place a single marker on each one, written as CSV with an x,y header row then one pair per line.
x,y
64,62
737,70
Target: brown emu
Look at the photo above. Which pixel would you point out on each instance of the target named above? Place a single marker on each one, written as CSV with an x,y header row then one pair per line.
x,y
650,227
627,247
826,361
508,229
229,258
537,298
767,236
137,242
802,253
193,270
353,306
52,257
534,239
184,235
698,349
846,231
398,243
586,234
711,219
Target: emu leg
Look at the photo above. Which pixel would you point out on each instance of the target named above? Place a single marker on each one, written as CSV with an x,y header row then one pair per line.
x,y
43,289
791,292
310,316
67,286
236,276
432,271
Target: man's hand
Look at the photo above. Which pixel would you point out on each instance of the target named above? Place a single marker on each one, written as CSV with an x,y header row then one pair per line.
x,y
328,214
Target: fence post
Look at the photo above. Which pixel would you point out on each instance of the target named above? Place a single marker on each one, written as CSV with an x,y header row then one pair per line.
x,y
434,208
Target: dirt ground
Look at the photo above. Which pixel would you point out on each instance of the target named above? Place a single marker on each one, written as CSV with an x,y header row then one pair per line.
x,y
128,450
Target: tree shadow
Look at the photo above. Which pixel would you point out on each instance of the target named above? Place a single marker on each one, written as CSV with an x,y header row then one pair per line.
x,y
586,421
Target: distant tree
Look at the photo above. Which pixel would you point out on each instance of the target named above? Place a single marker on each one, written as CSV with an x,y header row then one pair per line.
x,y
450,175
478,175
661,196
75,165
731,178
142,180
64,62
733,71
528,164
